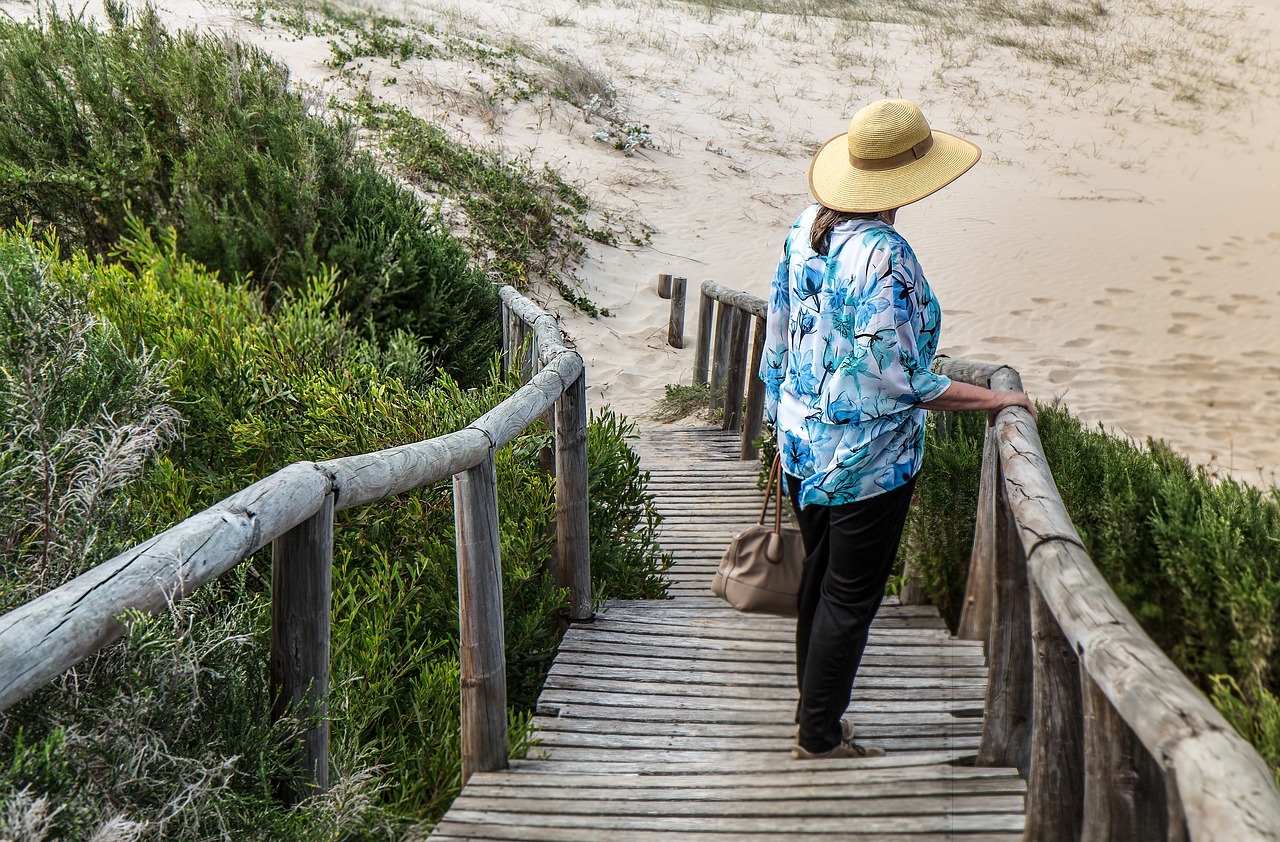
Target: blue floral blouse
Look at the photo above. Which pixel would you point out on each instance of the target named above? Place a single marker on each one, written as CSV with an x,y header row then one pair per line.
x,y
849,341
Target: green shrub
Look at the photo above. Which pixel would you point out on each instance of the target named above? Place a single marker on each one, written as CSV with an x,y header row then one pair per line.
x,y
202,134
260,390
1191,555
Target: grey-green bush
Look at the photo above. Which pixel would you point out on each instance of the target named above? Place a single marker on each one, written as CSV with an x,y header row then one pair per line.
x,y
169,730
1191,555
202,134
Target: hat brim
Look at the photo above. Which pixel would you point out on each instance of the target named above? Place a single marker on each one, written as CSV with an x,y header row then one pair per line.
x,y
838,185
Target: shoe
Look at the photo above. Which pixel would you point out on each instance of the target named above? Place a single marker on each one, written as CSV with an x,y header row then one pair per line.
x,y
846,749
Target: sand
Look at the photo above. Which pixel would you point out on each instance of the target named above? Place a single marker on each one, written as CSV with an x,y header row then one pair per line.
x,y
1119,243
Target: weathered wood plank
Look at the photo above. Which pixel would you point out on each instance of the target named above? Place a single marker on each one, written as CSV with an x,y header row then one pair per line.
x,y
449,831
1007,735
720,354
774,780
951,803
1007,818
1055,796
675,326
482,653
573,525
1124,792
702,356
301,597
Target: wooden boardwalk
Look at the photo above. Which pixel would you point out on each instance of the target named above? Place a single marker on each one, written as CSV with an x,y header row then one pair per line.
x,y
672,720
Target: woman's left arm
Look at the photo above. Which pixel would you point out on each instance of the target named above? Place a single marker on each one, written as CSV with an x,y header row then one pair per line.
x,y
964,397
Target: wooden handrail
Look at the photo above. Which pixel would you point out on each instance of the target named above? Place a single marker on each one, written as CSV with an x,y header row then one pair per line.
x,y
729,366
1111,732
293,508
1115,741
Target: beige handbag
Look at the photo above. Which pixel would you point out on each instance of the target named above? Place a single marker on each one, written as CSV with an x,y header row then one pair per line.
x,y
760,572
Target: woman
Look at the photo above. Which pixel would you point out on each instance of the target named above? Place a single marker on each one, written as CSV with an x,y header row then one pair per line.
x,y
851,333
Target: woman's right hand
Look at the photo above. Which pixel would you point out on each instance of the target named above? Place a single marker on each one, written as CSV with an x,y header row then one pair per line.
x,y
1005,400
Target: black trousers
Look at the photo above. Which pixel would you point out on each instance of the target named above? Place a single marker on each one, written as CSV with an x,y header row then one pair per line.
x,y
850,551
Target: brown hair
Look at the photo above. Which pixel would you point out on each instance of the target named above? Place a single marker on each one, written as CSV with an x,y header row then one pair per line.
x,y
827,218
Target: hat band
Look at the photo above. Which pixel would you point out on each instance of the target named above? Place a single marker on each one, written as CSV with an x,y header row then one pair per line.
x,y
893,161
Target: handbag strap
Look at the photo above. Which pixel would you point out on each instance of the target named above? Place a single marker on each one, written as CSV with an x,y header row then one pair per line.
x,y
775,476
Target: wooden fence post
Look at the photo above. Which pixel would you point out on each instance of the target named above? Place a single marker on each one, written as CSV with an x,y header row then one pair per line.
x,y
720,355
664,286
755,394
483,654
1006,730
506,338
573,554
1055,784
975,616
737,362
301,596
702,356
1124,790
675,329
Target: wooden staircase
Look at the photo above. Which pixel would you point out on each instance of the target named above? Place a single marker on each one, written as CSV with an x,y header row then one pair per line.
x,y
673,719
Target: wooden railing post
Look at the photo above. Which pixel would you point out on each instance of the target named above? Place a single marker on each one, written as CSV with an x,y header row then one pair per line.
x,y
975,616
664,286
1055,785
754,419
737,362
573,552
482,650
675,329
505,312
702,356
301,596
720,354
1124,791
1006,730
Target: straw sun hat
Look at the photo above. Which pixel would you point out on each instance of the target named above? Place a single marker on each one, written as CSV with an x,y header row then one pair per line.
x,y
887,159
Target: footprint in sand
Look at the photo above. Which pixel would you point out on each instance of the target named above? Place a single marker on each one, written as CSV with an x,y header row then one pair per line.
x,y
1102,302
1229,309
1019,313
1003,340
1061,375
1109,328
1275,235
1183,314
1044,301
1122,290
1244,296
1177,330
1079,342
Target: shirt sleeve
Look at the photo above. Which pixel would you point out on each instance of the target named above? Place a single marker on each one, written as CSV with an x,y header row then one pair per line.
x,y
883,374
773,362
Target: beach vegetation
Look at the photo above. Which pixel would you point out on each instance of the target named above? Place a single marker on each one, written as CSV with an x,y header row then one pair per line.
x,y
164,388
1192,555
679,402
204,135
520,222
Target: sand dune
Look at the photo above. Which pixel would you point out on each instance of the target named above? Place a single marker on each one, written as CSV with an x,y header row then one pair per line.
x,y
1119,243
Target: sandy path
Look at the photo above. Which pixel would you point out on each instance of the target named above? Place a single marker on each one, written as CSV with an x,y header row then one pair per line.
x,y
1119,243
